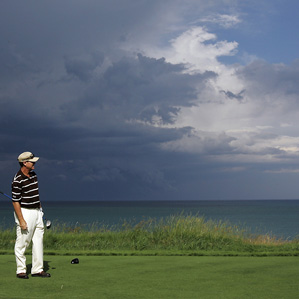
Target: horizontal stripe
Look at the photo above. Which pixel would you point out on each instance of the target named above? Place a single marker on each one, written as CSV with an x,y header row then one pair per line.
x,y
36,189
32,196
16,193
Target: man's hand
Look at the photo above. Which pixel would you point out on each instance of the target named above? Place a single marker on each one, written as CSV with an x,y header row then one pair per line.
x,y
23,225
19,214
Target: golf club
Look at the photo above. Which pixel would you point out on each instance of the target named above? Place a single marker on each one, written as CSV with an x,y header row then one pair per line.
x,y
48,222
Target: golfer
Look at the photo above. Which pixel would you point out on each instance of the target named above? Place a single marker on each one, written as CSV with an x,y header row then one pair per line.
x,y
28,217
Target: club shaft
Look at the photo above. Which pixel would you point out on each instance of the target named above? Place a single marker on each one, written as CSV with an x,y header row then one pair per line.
x,y
5,194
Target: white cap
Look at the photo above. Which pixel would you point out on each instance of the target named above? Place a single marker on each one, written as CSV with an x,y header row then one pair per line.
x,y
27,157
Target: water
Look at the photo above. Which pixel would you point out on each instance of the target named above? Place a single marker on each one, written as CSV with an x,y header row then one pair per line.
x,y
275,217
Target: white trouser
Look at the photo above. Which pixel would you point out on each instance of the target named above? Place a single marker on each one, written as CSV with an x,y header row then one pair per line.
x,y
34,233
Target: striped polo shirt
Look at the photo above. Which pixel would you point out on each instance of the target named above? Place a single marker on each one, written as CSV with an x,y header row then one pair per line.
x,y
25,190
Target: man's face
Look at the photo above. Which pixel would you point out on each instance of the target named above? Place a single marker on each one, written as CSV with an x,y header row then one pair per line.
x,y
29,165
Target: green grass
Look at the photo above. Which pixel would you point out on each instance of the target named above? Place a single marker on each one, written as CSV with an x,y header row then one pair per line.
x,y
176,257
176,235
156,277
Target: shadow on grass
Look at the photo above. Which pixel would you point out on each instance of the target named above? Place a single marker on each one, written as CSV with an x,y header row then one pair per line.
x,y
46,266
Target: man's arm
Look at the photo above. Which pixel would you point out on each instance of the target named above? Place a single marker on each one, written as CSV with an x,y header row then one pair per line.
x,y
19,214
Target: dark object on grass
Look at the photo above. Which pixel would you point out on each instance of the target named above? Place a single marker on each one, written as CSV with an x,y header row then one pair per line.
x,y
75,261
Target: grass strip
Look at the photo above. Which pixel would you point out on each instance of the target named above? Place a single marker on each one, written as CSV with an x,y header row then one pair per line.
x,y
174,235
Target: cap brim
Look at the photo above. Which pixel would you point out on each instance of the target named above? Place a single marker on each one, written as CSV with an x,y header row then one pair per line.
x,y
35,159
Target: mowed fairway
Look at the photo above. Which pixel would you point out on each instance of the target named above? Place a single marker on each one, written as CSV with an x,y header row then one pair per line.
x,y
156,277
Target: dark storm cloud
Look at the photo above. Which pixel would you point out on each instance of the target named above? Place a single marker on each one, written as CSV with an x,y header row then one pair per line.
x,y
83,67
109,123
100,133
231,95
137,89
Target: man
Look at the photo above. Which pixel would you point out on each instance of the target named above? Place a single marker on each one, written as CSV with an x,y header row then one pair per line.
x,y
28,217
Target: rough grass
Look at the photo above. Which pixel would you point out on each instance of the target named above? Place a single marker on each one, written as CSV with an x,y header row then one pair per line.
x,y
177,235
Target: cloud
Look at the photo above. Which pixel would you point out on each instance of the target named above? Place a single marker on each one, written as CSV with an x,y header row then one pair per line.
x,y
282,171
246,113
197,48
127,100
135,89
225,21
83,67
201,143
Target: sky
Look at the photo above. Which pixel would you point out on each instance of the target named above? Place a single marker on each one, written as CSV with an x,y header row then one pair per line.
x,y
150,99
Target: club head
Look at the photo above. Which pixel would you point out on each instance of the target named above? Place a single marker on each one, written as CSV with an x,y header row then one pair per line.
x,y
48,224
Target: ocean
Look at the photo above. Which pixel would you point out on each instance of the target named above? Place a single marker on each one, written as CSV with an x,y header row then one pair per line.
x,y
275,217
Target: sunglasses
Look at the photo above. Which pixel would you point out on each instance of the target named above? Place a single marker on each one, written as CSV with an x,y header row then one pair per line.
x,y
30,157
